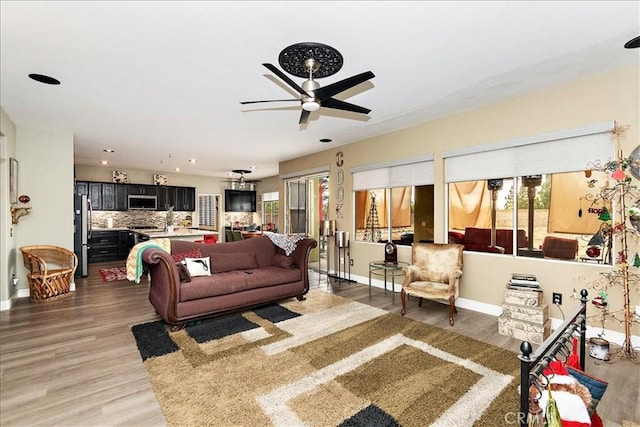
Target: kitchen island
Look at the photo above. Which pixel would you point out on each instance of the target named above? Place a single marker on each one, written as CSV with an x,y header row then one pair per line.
x,y
188,234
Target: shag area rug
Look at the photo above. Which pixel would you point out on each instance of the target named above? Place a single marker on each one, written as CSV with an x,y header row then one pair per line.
x,y
326,361
113,274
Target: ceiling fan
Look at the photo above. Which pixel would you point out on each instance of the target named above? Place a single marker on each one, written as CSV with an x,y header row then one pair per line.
x,y
315,60
241,183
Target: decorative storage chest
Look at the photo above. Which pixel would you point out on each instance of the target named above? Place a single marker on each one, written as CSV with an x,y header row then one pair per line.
x,y
524,316
523,297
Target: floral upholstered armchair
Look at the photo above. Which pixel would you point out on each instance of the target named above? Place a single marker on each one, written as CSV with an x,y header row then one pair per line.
x,y
434,273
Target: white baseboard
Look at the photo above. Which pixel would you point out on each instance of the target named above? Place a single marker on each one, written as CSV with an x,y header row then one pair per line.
x,y
496,310
6,304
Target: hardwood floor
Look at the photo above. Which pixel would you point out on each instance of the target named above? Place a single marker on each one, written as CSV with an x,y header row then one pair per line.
x,y
74,362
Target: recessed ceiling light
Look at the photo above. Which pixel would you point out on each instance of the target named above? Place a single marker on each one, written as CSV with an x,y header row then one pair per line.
x,y
44,79
104,162
326,140
177,169
193,160
108,150
633,43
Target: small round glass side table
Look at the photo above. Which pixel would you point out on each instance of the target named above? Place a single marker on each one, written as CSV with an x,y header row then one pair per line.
x,y
387,270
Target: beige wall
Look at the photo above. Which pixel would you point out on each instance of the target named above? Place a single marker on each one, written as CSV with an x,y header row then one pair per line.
x,y
8,242
46,176
600,98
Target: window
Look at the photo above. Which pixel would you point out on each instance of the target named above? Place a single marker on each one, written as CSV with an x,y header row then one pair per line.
x,y
534,200
381,213
270,211
391,198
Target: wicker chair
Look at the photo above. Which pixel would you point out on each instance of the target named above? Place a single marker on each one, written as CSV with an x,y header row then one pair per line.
x,y
51,270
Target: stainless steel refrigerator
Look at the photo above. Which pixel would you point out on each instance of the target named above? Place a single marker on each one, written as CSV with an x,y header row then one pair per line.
x,y
82,232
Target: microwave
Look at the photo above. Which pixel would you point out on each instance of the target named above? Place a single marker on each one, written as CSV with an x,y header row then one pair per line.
x,y
142,202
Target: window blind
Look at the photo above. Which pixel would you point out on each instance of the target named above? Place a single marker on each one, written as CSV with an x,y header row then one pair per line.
x,y
403,173
207,210
268,197
566,151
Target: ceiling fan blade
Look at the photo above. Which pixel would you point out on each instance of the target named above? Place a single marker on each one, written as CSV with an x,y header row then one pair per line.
x,y
336,104
304,117
286,79
271,100
327,92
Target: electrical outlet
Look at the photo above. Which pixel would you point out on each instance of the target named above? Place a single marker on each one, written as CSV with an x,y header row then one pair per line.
x,y
351,262
557,298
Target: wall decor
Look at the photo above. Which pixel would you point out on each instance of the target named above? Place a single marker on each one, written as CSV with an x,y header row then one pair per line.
x,y
120,177
340,194
13,180
160,179
340,177
339,159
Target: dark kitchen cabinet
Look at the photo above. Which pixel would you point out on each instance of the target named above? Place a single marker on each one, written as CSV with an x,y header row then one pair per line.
x,y
185,199
82,187
141,190
181,198
239,201
121,197
106,245
166,197
108,197
114,197
95,195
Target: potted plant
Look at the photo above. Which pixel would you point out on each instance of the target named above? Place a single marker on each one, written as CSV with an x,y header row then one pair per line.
x,y
169,219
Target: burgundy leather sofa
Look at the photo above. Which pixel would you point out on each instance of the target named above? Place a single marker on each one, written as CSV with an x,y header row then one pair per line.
x,y
479,240
245,274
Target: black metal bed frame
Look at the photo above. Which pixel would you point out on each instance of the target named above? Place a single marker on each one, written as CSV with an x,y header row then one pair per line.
x,y
533,363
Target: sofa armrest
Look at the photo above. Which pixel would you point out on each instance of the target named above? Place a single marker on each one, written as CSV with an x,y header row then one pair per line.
x,y
301,258
164,283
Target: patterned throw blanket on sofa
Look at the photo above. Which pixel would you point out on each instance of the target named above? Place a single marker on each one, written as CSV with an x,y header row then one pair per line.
x,y
286,242
134,260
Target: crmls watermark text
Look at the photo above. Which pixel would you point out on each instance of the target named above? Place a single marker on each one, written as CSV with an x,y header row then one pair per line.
x,y
514,418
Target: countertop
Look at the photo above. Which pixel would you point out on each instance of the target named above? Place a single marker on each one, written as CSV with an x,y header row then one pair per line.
x,y
110,229
179,232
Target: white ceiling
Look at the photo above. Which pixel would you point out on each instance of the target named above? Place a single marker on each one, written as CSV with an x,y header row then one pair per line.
x,y
160,82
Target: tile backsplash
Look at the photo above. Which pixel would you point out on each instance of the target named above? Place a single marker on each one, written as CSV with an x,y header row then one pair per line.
x,y
124,219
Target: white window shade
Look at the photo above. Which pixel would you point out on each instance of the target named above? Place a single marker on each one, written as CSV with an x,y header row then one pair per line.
x,y
566,151
406,173
269,197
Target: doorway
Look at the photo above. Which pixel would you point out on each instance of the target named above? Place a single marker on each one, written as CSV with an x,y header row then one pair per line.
x,y
306,204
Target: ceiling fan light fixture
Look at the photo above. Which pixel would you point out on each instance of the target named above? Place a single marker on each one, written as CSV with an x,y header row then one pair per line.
x,y
311,106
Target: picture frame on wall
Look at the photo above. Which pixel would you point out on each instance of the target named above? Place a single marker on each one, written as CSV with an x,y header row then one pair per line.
x,y
13,180
120,177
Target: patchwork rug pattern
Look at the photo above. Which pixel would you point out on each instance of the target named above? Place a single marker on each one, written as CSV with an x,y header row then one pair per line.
x,y
113,274
326,361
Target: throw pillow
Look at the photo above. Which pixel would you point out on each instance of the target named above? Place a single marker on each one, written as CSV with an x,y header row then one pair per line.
x,y
283,261
193,253
235,261
596,386
183,271
198,266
